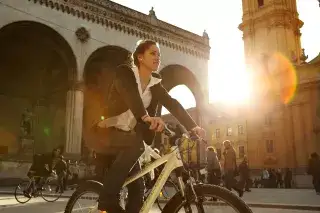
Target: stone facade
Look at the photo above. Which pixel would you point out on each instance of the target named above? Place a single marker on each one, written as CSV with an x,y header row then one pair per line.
x,y
273,26
280,133
79,28
232,129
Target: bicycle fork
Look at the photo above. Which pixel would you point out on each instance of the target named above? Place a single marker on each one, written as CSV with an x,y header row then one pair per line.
x,y
189,193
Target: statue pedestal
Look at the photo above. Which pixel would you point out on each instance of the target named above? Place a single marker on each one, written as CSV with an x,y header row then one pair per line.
x,y
27,146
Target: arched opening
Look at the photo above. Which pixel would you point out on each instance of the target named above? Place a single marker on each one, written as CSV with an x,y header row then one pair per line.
x,y
179,77
184,87
184,95
102,58
36,66
98,72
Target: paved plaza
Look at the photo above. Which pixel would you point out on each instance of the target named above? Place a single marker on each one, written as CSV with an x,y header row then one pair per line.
x,y
260,200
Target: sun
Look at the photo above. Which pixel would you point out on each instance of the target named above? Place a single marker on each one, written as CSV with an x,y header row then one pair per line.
x,y
230,83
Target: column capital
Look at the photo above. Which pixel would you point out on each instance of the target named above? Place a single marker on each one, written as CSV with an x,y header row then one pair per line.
x,y
76,86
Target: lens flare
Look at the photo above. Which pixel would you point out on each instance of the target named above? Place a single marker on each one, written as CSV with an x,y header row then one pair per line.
x,y
285,78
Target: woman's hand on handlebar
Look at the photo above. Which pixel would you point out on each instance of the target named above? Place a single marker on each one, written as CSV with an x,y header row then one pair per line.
x,y
156,123
199,131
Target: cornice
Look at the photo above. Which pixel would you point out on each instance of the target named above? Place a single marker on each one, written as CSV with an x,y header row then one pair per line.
x,y
275,18
313,84
126,20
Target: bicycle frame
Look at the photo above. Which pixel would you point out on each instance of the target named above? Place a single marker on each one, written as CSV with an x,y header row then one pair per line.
x,y
171,161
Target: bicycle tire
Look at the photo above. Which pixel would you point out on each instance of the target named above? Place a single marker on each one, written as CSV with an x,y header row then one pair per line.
x,y
177,201
87,186
53,200
169,183
16,194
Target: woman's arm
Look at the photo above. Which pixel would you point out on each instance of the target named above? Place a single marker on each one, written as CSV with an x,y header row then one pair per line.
x,y
173,106
126,85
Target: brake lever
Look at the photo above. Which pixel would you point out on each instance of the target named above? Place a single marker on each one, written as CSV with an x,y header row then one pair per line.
x,y
165,131
194,136
168,132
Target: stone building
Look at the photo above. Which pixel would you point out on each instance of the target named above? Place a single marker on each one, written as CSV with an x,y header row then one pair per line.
x,y
47,47
233,129
281,128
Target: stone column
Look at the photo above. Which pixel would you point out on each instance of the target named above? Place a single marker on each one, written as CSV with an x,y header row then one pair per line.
x,y
74,110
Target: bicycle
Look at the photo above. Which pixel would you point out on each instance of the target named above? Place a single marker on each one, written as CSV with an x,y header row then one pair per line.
x,y
169,187
190,191
50,183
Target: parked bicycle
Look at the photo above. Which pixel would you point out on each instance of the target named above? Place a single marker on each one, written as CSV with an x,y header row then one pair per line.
x,y
46,187
191,195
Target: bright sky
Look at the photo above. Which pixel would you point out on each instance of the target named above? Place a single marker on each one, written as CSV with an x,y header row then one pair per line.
x,y
221,19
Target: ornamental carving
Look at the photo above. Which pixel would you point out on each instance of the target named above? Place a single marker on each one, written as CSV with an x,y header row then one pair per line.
x,y
82,34
275,18
118,17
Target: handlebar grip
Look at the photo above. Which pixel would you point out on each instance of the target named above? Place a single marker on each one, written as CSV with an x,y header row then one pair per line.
x,y
168,132
194,136
165,131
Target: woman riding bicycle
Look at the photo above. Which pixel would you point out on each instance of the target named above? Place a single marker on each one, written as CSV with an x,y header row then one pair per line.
x,y
118,139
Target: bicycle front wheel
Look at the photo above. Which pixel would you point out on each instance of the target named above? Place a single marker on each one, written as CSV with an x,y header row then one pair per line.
x,y
169,189
50,191
211,198
88,194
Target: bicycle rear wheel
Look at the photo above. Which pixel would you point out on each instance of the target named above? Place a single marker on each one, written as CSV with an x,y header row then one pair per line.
x,y
177,203
19,191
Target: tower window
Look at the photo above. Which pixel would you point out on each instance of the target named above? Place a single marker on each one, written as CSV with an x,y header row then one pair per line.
x,y
229,131
241,151
260,3
269,146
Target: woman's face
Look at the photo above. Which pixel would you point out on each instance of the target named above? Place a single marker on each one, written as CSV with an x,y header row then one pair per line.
x,y
150,58
57,152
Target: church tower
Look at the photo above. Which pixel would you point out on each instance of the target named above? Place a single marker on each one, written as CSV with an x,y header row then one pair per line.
x,y
271,26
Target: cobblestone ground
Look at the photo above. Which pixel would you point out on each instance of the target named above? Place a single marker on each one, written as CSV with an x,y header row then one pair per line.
x,y
292,197
9,205
283,196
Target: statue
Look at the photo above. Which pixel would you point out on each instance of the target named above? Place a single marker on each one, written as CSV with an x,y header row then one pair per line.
x,y
152,13
26,123
205,34
303,57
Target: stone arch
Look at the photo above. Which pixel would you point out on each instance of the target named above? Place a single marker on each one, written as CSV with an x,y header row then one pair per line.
x,y
175,74
37,68
101,61
102,58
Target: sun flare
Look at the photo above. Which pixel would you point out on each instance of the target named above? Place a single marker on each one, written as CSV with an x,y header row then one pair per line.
x,y
230,84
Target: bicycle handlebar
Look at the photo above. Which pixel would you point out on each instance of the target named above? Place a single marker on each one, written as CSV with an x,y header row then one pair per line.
x,y
174,135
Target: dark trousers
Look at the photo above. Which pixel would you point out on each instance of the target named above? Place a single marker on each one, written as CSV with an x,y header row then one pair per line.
x,y
213,178
115,167
245,182
61,181
287,184
316,184
279,183
230,181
